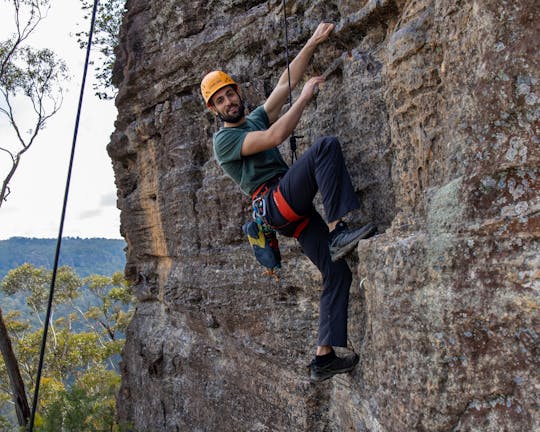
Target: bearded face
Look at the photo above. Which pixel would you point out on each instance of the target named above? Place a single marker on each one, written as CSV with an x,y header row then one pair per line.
x,y
229,106
233,114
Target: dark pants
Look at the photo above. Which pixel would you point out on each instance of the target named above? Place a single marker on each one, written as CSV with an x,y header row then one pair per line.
x,y
321,168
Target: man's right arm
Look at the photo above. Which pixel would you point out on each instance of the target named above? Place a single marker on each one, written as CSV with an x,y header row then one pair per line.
x,y
258,141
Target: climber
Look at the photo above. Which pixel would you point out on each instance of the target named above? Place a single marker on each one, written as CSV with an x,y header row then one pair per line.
x,y
246,149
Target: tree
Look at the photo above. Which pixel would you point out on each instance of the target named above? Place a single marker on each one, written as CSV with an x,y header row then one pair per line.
x,y
87,406
114,295
79,380
36,74
108,19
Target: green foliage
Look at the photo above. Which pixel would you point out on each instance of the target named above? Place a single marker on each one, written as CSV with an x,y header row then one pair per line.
x,y
35,72
89,405
79,379
107,26
114,294
35,282
5,425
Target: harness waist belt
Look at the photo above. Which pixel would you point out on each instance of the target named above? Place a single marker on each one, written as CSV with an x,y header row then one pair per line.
x,y
264,188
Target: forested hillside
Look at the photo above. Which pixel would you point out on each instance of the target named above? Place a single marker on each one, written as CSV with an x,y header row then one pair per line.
x,y
86,256
92,307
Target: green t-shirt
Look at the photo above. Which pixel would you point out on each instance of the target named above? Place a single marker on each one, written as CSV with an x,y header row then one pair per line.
x,y
248,171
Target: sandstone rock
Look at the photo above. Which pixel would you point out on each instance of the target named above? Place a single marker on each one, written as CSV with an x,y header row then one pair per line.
x,y
437,106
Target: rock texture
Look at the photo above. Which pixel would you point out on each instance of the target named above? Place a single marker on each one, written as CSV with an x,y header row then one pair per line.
x,y
437,105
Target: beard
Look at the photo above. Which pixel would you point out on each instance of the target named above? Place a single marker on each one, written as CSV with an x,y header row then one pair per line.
x,y
236,117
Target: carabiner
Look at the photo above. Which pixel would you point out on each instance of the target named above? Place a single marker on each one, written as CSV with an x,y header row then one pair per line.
x,y
259,208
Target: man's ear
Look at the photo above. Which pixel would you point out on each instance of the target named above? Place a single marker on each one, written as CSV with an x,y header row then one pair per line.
x,y
239,92
211,108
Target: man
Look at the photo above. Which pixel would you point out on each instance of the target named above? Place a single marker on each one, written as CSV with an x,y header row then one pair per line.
x,y
246,149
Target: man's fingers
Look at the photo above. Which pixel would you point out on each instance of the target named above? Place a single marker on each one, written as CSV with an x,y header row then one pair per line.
x,y
323,31
314,83
329,28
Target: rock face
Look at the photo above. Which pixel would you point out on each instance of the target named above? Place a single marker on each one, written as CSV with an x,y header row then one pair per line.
x,y
437,106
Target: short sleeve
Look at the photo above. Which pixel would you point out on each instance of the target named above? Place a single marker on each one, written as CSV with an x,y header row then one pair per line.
x,y
228,145
259,119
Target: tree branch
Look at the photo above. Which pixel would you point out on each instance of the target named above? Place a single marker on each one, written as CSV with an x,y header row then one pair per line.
x,y
12,367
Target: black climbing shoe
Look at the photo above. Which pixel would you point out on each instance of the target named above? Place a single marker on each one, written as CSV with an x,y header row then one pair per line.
x,y
337,365
343,240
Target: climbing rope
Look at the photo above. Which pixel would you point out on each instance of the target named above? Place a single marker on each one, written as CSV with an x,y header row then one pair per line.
x,y
292,138
61,229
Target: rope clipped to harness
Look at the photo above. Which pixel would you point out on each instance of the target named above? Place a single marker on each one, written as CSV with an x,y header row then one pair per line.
x,y
263,239
292,139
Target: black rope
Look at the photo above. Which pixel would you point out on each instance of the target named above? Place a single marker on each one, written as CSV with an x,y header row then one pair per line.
x,y
292,138
61,229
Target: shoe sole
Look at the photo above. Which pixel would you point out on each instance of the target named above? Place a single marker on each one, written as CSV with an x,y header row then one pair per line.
x,y
367,231
317,379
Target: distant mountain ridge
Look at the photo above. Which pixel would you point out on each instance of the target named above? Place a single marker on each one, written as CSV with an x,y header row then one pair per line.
x,y
86,255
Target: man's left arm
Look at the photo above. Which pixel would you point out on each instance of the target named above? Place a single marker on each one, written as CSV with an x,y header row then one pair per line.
x,y
280,94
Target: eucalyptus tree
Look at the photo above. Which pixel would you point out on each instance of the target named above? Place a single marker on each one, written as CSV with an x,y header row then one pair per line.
x,y
105,40
28,76
81,359
36,76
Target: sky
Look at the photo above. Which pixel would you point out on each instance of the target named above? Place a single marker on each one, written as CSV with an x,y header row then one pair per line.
x,y
34,207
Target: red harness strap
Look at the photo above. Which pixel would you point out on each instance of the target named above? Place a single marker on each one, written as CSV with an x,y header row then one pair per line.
x,y
284,208
301,226
288,213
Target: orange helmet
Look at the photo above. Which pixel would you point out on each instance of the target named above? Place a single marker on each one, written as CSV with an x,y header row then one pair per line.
x,y
213,82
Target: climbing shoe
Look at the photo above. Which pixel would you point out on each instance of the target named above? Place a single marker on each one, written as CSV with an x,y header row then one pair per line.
x,y
342,240
327,366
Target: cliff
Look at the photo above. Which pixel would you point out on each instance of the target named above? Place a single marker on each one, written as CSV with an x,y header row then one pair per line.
x,y
437,106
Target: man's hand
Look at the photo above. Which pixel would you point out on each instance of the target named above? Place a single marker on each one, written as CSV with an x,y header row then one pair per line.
x,y
311,87
321,33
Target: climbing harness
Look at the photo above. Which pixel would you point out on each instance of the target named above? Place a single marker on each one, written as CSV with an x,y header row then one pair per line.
x,y
283,207
292,138
261,236
61,229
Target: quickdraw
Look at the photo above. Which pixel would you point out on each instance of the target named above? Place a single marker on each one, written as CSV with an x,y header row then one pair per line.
x,y
292,138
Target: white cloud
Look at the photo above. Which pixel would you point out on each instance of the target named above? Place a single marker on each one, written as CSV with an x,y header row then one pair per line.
x,y
89,214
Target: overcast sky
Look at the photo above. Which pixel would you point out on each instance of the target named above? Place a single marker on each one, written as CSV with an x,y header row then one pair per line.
x,y
34,206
